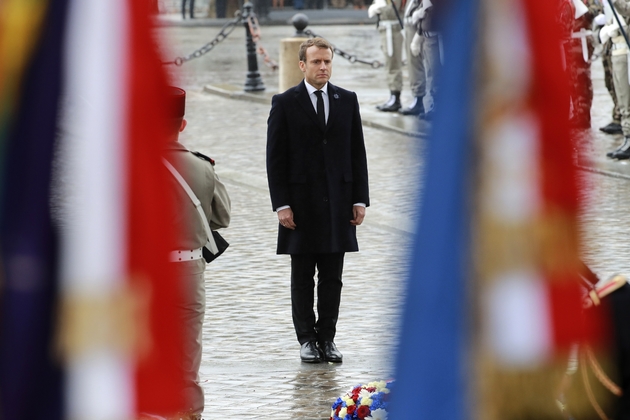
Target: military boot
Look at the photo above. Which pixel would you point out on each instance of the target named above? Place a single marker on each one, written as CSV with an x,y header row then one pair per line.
x,y
392,104
622,152
625,144
416,107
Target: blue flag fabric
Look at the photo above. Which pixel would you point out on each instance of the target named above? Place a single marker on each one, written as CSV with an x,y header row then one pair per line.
x,y
30,376
431,362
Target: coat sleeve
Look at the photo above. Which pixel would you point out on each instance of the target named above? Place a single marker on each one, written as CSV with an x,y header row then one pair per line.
x,y
278,154
221,205
360,188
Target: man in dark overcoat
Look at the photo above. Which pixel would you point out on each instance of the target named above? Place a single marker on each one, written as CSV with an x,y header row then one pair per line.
x,y
318,181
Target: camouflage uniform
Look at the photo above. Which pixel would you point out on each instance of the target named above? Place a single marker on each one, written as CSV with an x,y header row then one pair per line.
x,y
608,79
579,70
620,70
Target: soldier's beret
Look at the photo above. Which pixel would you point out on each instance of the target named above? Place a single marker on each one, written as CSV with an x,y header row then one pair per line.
x,y
176,102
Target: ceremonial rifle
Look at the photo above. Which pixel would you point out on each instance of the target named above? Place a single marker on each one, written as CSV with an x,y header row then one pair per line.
x,y
398,15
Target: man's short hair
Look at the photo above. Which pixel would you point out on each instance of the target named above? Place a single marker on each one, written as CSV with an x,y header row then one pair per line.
x,y
317,42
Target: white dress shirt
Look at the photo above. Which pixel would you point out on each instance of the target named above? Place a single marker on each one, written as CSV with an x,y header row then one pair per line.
x,y
311,94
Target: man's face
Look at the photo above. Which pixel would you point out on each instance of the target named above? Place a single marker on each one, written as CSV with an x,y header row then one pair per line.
x,y
318,66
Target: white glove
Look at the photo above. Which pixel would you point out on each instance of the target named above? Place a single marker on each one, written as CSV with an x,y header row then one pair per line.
x,y
415,44
608,32
417,16
376,8
600,20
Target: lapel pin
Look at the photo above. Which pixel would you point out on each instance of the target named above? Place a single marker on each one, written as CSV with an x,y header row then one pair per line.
x,y
336,96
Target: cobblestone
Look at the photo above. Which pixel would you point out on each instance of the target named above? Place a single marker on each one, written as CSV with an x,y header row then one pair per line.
x,y
251,367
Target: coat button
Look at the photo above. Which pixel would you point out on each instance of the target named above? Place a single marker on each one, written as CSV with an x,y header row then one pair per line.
x,y
325,199
325,141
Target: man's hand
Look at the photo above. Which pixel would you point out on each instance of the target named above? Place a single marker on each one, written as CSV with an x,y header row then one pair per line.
x,y
285,217
359,214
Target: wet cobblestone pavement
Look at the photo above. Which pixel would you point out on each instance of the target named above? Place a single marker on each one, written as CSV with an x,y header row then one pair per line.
x,y
251,367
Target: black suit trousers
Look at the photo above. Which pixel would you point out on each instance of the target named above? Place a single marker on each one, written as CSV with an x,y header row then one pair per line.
x,y
329,271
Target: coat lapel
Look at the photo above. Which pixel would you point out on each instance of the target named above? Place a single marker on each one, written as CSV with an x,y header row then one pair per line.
x,y
301,95
333,104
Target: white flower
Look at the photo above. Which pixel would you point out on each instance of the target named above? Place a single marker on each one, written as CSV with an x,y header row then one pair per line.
x,y
378,414
365,394
343,412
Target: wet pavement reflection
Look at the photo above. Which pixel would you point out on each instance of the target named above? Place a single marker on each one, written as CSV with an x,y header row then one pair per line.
x,y
251,367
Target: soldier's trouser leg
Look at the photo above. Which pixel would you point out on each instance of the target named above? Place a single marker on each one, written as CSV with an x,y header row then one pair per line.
x,y
431,50
622,90
608,80
192,310
415,65
393,63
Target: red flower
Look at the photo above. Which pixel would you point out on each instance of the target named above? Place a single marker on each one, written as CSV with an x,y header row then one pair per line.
x,y
351,409
363,411
338,410
371,389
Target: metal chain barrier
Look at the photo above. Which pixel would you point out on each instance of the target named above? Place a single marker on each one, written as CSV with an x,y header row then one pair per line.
x,y
254,29
223,33
351,58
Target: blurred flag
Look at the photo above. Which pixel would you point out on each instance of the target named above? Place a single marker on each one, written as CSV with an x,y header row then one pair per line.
x,y
493,302
30,85
86,74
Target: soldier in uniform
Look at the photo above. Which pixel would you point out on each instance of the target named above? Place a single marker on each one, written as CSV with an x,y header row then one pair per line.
x,y
416,63
614,127
198,172
423,54
620,74
389,12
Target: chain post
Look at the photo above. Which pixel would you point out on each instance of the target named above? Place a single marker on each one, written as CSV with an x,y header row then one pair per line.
x,y
253,81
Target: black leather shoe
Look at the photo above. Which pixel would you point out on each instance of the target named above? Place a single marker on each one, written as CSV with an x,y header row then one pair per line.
x,y
416,107
331,354
392,104
309,353
612,128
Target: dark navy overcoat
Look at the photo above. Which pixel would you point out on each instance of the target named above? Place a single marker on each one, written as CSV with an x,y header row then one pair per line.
x,y
319,172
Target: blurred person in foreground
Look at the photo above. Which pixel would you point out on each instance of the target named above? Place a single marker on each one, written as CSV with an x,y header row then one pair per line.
x,y
389,25
318,182
197,171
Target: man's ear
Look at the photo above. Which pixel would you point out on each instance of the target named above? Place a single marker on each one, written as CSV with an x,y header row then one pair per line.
x,y
302,65
183,125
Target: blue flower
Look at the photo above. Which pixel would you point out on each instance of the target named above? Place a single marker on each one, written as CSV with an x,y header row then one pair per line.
x,y
377,401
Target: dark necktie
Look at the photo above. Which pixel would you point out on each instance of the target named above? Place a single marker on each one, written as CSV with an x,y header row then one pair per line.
x,y
321,114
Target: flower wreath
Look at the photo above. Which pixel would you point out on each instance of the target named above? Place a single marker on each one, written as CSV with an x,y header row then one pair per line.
x,y
367,402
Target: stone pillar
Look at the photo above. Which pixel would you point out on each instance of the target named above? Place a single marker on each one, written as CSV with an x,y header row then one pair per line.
x,y
290,73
